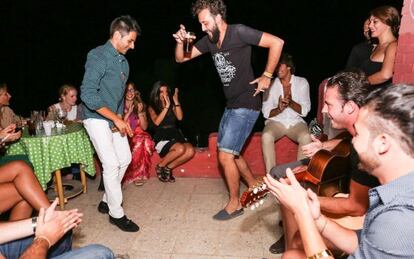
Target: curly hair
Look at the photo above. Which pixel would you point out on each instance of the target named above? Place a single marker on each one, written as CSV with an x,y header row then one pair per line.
x,y
214,6
389,16
352,85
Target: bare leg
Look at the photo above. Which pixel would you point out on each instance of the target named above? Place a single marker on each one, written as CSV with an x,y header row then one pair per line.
x,y
245,171
176,151
25,182
187,155
11,199
232,175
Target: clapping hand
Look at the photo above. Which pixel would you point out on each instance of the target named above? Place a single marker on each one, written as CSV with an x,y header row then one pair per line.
x,y
175,96
52,225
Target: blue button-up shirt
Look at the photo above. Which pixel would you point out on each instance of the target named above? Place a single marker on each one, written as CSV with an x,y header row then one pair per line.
x,y
103,85
389,224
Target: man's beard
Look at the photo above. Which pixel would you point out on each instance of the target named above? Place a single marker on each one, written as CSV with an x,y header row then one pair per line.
x,y
215,35
368,163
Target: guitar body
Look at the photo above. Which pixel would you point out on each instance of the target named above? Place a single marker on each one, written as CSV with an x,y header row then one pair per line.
x,y
326,175
331,168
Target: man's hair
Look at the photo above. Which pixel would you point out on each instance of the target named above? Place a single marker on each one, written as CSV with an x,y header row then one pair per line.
x,y
287,59
214,6
352,85
124,24
391,111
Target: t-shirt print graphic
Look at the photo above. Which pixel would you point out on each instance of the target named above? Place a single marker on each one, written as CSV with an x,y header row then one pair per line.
x,y
224,67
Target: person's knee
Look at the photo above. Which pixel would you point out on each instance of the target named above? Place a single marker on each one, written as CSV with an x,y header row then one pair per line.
x,y
20,166
179,148
224,157
94,251
189,151
267,137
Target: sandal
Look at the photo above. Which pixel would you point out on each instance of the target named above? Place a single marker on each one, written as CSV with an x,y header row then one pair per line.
x,y
169,172
162,176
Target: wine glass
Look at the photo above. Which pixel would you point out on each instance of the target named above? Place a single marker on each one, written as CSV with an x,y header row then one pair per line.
x,y
61,115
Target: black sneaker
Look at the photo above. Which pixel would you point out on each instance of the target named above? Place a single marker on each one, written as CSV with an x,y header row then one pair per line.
x,y
279,246
124,224
103,207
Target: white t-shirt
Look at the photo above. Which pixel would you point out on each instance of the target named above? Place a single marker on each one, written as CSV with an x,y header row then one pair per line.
x,y
71,114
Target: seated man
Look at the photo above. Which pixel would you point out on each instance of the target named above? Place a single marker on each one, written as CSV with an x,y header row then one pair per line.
x,y
49,240
384,141
345,93
284,105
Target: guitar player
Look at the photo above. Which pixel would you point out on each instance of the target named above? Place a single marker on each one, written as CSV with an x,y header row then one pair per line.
x,y
345,94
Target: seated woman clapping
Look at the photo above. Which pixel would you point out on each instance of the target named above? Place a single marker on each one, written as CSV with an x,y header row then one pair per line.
x,y
170,143
141,142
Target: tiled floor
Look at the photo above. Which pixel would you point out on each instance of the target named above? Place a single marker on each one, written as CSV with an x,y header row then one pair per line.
x,y
176,222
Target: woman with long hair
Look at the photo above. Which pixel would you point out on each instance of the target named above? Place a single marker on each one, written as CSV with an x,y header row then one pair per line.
x,y
171,145
141,142
384,23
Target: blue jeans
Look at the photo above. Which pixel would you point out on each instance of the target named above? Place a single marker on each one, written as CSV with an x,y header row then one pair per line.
x,y
61,250
235,127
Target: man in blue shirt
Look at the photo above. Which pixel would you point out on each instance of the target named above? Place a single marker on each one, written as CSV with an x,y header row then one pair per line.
x,y
384,140
102,92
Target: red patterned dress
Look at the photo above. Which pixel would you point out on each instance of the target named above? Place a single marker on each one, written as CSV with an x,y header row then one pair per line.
x,y
142,147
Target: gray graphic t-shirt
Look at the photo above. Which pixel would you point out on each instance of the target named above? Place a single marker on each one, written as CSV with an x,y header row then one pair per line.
x,y
233,64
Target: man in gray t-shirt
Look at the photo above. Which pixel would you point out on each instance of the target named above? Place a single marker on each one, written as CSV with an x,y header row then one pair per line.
x,y
230,47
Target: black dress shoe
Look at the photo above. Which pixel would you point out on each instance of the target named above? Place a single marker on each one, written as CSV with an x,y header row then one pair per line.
x,y
124,224
279,246
103,207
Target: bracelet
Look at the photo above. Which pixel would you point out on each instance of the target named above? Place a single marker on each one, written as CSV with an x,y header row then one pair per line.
x,y
176,105
43,238
321,254
268,75
34,224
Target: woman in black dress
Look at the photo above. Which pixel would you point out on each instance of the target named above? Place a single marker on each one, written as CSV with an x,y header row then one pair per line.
x,y
171,145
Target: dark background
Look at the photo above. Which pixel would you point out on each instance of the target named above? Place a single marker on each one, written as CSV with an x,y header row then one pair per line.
x,y
44,44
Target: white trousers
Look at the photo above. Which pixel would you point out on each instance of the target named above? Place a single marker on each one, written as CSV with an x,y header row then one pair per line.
x,y
115,155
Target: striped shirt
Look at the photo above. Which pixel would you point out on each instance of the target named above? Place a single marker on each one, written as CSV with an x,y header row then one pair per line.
x,y
388,230
103,85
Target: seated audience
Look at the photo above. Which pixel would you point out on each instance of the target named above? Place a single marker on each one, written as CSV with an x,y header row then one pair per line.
x,y
141,142
384,141
346,93
46,236
285,104
7,116
171,145
68,95
384,25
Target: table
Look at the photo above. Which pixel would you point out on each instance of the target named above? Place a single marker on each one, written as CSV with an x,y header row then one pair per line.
x,y
49,154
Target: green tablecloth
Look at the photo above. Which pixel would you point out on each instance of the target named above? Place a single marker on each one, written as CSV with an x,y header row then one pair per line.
x,y
50,153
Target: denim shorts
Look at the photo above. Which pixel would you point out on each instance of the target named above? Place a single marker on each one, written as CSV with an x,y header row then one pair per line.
x,y
235,127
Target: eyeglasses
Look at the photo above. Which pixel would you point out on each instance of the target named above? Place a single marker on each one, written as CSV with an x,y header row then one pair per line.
x,y
131,90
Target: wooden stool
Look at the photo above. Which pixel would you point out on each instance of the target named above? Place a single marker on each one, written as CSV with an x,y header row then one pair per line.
x,y
59,189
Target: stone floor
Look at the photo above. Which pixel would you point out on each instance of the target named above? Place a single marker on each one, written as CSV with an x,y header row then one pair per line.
x,y
176,222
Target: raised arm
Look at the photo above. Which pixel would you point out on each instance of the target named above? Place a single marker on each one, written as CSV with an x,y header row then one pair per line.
x,y
275,45
179,51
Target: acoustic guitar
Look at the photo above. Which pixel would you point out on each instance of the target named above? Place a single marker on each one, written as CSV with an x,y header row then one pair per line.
x,y
325,175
